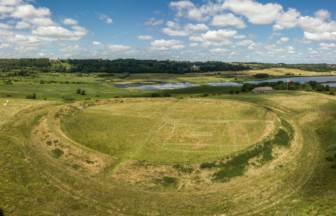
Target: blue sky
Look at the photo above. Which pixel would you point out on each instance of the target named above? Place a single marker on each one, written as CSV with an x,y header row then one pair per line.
x,y
222,30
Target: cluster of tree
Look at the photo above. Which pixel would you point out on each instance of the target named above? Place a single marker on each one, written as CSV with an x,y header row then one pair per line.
x,y
147,66
81,92
280,85
261,75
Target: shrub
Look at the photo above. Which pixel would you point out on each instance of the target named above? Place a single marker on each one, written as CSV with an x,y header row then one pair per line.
x,y
332,92
33,96
57,153
261,75
237,92
116,97
49,143
327,88
124,75
166,95
97,95
87,98
333,166
168,181
55,141
78,91
67,98
231,92
331,158
8,95
155,95
78,82
1,212
41,82
207,165
332,148
83,92
89,162
45,99
76,166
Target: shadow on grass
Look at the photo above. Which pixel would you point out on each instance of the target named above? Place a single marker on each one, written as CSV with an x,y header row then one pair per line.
x,y
236,166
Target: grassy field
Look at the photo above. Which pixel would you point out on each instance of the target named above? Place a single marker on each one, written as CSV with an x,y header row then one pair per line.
x,y
167,131
225,154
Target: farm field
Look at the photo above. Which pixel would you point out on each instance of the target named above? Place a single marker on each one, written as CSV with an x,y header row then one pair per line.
x,y
239,154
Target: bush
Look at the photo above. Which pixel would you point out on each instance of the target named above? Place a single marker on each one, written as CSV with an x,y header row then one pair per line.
x,y
67,98
156,95
45,99
78,91
237,92
166,95
332,148
327,88
49,143
87,98
261,75
41,82
57,153
33,96
124,75
1,212
8,95
83,92
207,165
331,158
97,95
333,166
167,181
231,92
332,92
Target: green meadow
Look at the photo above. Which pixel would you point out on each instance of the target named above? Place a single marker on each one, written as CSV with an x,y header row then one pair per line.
x,y
201,151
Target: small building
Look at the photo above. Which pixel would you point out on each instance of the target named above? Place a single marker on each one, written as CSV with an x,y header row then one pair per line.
x,y
262,90
195,68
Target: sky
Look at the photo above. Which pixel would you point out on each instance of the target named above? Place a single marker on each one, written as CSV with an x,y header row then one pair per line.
x,y
287,31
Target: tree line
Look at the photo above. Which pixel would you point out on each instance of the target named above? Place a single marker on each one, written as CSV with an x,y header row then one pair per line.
x,y
26,66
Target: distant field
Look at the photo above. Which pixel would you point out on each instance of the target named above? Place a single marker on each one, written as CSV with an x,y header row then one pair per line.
x,y
167,131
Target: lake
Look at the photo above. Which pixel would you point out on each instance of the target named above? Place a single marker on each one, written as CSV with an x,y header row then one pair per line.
x,y
225,84
155,86
302,80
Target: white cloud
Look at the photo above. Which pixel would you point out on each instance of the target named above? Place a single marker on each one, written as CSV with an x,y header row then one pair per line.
x,y
145,37
69,21
322,14
154,22
164,43
196,38
287,20
272,36
228,19
5,26
4,46
219,51
172,32
239,37
219,35
79,31
105,17
206,43
178,47
197,27
302,41
118,48
174,25
315,25
283,40
29,11
23,40
22,25
253,36
326,36
10,2
42,21
194,45
71,48
244,43
256,13
225,42
96,43
325,46
52,31
158,48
